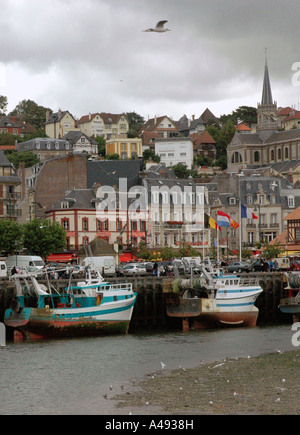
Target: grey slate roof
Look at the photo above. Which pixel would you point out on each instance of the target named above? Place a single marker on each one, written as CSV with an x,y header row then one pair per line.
x,y
108,172
55,117
73,136
266,93
7,121
41,143
78,199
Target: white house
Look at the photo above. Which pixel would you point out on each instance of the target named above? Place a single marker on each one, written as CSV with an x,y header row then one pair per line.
x,y
175,150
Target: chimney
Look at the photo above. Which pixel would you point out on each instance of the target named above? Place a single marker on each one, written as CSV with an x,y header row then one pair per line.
x,y
193,117
90,116
59,113
47,115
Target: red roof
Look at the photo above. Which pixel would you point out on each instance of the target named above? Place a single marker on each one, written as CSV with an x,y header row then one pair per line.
x,y
284,112
242,126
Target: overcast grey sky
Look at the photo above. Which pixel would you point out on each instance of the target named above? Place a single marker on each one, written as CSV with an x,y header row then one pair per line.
x,y
92,56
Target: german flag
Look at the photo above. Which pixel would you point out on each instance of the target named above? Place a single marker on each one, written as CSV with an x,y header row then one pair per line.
x,y
209,222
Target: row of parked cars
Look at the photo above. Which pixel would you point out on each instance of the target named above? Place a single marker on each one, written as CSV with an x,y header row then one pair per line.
x,y
258,265
164,268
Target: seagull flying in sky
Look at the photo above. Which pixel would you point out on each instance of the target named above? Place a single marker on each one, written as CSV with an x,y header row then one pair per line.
x,y
159,27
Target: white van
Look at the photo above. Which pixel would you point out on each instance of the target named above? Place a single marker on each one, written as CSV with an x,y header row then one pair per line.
x,y
105,264
284,263
30,262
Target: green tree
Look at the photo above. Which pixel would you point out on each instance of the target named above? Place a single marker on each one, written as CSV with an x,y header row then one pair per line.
x,y
150,155
101,145
26,157
245,114
135,123
42,237
11,236
3,104
272,251
114,156
32,112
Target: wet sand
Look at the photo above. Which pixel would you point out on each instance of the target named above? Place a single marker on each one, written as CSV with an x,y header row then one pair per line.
x,y
265,385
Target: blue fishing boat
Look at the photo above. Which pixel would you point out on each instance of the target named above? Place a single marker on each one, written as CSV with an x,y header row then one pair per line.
x,y
90,307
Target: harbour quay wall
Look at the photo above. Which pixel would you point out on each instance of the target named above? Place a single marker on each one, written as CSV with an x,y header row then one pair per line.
x,y
150,308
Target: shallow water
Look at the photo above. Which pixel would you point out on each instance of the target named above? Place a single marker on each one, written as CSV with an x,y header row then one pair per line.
x,y
79,376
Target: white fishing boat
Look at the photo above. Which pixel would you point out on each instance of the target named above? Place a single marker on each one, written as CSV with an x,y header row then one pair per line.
x,y
90,307
215,300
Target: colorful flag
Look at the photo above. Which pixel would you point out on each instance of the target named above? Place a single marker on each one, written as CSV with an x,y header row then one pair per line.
x,y
234,224
223,219
209,222
247,213
226,221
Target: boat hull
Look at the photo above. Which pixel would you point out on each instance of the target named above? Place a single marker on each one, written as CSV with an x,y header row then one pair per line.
x,y
206,313
109,319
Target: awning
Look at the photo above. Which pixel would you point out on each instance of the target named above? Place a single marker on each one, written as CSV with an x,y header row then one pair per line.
x,y
127,256
62,258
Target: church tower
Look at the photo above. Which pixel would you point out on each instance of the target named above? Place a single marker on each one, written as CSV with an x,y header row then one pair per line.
x,y
267,110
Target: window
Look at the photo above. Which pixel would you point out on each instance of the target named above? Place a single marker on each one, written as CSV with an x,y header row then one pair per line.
x,y
251,237
85,224
56,145
286,153
291,202
256,156
274,218
249,200
279,153
155,197
119,224
105,225
182,154
65,224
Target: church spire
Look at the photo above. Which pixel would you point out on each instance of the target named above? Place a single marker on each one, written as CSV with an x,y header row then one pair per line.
x,y
266,93
267,110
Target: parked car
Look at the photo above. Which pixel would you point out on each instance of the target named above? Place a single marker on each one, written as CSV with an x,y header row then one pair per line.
x,y
237,266
134,269
260,265
149,266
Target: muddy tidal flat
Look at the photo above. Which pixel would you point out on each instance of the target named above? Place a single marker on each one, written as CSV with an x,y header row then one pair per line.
x,y
264,385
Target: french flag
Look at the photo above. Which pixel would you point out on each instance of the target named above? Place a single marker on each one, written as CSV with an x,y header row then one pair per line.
x,y
246,213
223,219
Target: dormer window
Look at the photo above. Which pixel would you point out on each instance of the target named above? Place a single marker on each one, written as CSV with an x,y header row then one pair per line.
x,y
37,144
48,145
291,201
231,201
56,145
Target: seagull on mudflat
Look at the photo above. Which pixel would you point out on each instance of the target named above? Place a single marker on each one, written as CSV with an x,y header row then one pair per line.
x,y
159,27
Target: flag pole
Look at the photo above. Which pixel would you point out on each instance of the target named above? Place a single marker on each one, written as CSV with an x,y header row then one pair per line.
x,y
241,220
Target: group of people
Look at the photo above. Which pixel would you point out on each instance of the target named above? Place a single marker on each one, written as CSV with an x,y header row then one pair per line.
x,y
160,270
